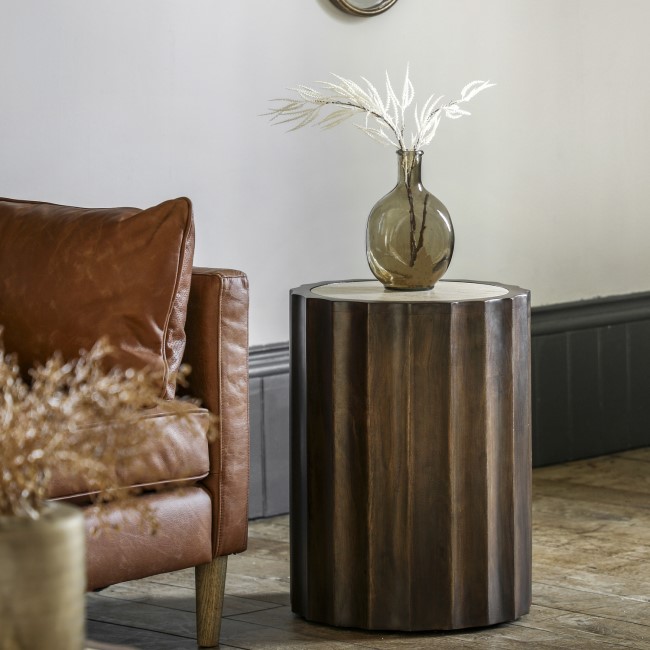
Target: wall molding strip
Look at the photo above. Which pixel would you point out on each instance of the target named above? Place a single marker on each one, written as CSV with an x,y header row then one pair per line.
x,y
585,314
266,360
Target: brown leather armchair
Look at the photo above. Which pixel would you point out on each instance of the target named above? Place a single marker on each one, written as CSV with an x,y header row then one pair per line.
x,y
199,525
203,514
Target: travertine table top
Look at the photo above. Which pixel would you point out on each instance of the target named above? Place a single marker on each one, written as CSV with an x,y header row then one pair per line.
x,y
444,291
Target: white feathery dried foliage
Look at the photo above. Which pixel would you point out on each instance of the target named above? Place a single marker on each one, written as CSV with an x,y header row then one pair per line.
x,y
384,118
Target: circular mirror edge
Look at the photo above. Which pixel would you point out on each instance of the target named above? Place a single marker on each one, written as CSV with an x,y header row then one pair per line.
x,y
348,7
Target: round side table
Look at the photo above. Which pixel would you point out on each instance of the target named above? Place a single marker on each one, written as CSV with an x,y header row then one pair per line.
x,y
411,455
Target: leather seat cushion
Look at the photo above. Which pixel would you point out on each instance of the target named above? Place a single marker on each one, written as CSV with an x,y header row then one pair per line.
x,y
178,454
69,276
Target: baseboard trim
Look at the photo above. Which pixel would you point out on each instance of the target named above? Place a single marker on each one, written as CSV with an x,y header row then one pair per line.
x,y
267,360
592,313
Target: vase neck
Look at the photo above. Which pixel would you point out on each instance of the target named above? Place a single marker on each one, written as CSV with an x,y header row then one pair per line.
x,y
409,168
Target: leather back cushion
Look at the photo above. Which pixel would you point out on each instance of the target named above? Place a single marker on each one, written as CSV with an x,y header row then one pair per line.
x,y
69,276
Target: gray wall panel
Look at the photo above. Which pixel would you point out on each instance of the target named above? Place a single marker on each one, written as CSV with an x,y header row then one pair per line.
x,y
276,430
256,489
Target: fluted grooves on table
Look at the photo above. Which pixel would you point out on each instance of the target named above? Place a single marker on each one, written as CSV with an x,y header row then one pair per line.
x,y
411,462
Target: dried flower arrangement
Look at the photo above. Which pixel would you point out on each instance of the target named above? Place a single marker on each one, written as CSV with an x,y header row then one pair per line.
x,y
75,417
385,119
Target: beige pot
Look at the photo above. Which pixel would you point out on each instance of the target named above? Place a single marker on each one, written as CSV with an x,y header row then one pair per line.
x,y
43,580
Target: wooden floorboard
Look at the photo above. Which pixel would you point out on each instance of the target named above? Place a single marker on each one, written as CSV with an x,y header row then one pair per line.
x,y
591,580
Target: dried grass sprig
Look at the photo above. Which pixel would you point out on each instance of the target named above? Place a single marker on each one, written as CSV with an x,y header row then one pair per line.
x,y
75,417
384,118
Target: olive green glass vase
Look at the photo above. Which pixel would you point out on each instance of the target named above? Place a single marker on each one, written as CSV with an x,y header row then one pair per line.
x,y
410,237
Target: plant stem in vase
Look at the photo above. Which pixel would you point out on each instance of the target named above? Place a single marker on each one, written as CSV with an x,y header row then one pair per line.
x,y
409,237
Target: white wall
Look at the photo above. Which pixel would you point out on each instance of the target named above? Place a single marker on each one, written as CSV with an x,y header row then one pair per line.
x,y
120,102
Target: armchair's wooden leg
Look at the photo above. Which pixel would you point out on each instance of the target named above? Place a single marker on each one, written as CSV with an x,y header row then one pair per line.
x,y
210,583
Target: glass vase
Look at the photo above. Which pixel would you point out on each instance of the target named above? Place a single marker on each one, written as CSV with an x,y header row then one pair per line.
x,y
410,237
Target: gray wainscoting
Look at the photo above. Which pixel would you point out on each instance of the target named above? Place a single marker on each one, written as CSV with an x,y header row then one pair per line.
x,y
590,391
269,421
591,378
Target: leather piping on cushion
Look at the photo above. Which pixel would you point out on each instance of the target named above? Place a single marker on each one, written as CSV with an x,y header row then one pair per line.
x,y
127,552
217,350
178,455
69,276
86,498
175,324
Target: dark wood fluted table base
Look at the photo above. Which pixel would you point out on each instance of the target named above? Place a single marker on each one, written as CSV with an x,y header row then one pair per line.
x,y
411,461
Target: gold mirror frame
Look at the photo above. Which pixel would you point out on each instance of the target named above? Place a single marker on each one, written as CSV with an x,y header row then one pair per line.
x,y
349,7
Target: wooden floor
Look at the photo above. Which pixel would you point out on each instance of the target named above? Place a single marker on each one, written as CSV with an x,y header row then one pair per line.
x,y
591,580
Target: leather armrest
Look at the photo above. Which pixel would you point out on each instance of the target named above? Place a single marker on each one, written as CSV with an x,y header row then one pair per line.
x,y
217,349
